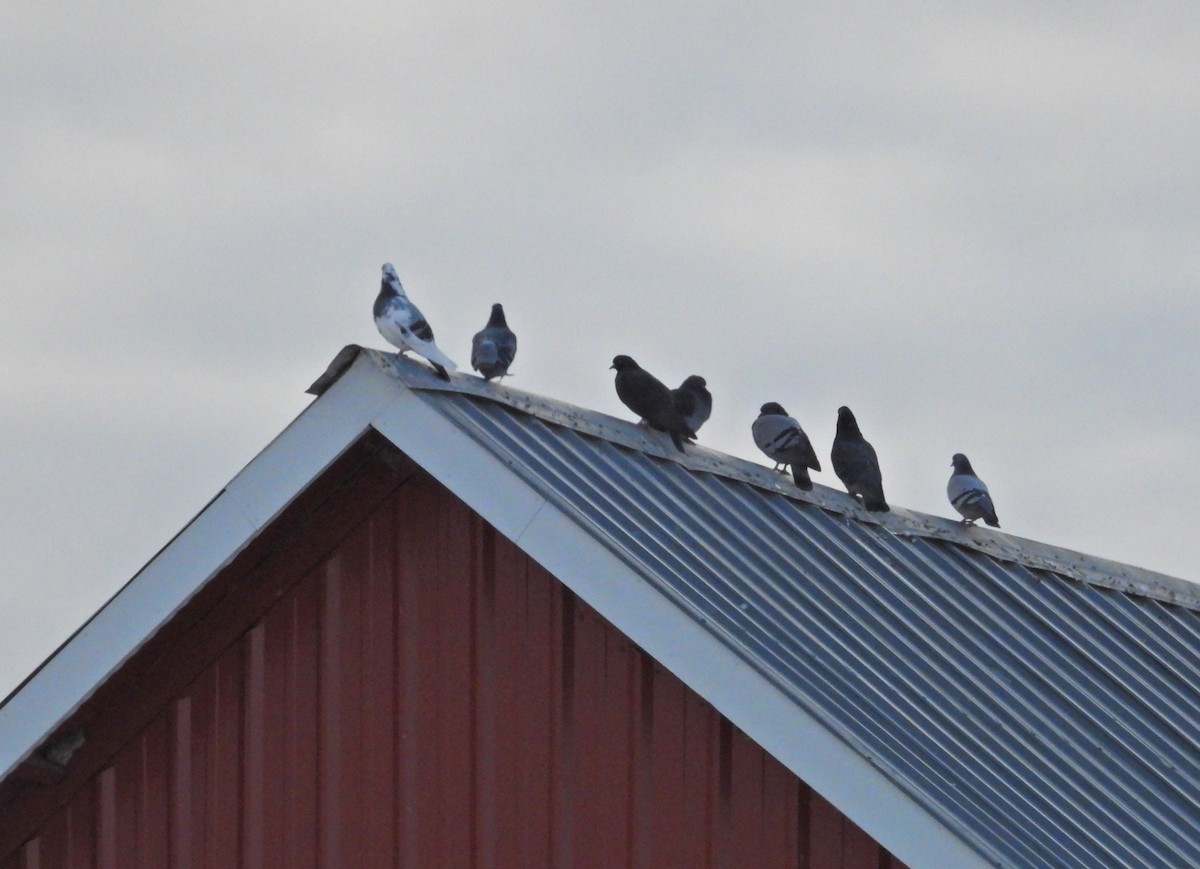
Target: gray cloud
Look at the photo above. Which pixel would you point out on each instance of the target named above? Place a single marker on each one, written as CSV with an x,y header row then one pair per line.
x,y
976,227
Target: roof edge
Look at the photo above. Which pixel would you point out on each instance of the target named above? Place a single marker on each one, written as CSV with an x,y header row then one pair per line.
x,y
257,494
1029,553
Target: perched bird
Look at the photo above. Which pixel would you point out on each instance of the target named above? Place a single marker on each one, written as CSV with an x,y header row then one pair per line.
x,y
855,463
781,438
494,346
693,401
401,323
649,398
968,494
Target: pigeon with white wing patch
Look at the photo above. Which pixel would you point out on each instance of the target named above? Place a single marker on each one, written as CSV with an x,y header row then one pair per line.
x,y
969,495
693,401
494,347
402,324
855,463
781,438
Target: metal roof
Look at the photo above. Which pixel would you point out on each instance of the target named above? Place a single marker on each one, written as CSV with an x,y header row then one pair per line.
x,y
1041,704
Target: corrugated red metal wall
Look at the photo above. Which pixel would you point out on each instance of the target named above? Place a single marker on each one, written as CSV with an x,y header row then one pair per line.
x,y
430,697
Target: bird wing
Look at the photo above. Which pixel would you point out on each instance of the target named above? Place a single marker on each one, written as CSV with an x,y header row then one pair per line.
x,y
643,393
968,494
775,434
807,455
506,345
402,324
855,462
649,398
484,351
685,401
782,439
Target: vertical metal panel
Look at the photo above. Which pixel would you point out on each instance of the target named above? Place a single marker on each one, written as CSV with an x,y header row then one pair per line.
x,y
378,774
428,696
80,846
153,816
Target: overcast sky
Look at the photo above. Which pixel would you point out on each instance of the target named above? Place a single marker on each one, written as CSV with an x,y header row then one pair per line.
x,y
975,224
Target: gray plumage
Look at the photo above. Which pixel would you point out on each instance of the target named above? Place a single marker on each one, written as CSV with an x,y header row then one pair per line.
x,y
855,463
781,438
968,494
693,401
494,346
649,398
404,326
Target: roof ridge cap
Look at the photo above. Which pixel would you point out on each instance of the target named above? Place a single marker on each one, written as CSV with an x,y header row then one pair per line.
x,y
902,522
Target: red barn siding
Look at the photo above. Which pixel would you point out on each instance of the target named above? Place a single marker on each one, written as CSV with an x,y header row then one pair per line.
x,y
428,696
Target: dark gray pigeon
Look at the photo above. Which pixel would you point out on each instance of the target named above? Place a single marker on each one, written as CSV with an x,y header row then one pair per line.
x,y
968,494
781,438
649,398
855,463
403,325
693,401
494,346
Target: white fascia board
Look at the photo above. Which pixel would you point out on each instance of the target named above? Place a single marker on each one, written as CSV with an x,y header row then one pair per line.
x,y
257,494
671,636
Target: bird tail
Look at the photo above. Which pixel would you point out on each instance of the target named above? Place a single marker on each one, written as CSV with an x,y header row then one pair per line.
x,y
875,503
992,520
439,359
441,371
801,477
679,429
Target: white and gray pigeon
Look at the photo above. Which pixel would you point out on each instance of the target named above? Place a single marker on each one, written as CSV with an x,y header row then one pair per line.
x,y
693,401
494,346
969,495
781,438
403,325
855,463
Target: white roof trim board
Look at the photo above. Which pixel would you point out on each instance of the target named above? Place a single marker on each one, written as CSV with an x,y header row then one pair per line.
x,y
952,691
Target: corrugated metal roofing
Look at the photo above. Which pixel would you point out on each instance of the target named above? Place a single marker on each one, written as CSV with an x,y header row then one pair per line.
x,y
1025,696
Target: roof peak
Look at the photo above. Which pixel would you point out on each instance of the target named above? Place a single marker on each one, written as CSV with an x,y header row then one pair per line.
x,y
902,522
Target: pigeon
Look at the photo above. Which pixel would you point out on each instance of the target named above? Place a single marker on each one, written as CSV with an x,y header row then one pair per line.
x,y
649,398
494,346
968,494
855,463
693,401
781,438
401,323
